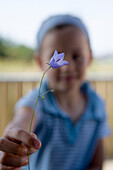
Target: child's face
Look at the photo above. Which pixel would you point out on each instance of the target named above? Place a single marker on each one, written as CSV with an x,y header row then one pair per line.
x,y
74,44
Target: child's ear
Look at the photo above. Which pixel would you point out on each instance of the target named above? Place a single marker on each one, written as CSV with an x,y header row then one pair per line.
x,y
38,60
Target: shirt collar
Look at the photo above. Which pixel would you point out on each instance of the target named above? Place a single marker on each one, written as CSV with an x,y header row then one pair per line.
x,y
94,110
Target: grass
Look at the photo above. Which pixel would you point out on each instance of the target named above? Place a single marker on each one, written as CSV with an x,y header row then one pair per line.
x,y
18,66
101,67
30,66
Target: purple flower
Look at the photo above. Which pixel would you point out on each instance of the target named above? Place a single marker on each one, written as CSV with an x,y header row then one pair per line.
x,y
57,60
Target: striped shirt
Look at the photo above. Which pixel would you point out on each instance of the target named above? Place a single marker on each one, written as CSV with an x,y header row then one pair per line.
x,y
66,145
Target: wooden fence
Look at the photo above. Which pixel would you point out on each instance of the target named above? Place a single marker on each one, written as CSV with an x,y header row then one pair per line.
x,y
13,86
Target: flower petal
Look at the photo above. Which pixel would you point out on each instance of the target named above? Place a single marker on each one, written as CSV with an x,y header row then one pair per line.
x,y
55,66
55,53
62,63
59,57
52,61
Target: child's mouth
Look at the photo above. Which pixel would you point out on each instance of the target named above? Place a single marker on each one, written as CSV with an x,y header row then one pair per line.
x,y
67,78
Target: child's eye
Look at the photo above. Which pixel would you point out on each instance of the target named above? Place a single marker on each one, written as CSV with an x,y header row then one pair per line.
x,y
75,56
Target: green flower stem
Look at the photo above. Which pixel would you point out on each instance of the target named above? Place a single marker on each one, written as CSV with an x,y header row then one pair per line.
x,y
34,110
46,92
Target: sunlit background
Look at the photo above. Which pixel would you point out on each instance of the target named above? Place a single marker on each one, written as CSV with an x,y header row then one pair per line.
x,y
20,20
19,23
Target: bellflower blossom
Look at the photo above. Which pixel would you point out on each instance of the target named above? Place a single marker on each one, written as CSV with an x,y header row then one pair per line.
x,y
55,62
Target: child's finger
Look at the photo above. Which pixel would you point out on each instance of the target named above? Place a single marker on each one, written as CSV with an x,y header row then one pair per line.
x,y
24,137
13,161
33,134
32,150
2,167
12,148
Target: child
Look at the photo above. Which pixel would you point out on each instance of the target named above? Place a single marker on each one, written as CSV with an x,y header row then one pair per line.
x,y
70,123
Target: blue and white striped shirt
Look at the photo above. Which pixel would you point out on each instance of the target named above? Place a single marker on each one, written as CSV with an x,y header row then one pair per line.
x,y
65,145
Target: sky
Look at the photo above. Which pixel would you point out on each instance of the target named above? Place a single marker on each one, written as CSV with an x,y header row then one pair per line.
x,y
21,19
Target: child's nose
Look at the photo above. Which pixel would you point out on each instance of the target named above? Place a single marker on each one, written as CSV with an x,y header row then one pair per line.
x,y
70,67
64,68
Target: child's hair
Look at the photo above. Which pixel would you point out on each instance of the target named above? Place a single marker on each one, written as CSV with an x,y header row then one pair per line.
x,y
59,21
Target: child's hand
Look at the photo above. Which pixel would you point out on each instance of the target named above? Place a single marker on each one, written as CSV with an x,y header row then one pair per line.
x,y
13,148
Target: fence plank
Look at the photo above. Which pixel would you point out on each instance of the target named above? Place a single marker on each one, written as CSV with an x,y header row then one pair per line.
x,y
101,88
3,105
12,98
26,87
19,89
109,103
34,84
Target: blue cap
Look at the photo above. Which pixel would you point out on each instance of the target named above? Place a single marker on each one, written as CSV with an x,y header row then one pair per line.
x,y
57,20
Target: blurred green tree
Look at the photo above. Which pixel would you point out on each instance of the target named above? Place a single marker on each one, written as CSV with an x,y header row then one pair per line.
x,y
10,50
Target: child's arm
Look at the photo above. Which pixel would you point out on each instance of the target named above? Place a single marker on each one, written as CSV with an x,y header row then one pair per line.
x,y
96,163
13,144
